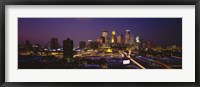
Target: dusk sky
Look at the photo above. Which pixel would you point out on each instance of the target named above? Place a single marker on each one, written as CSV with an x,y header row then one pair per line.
x,y
160,31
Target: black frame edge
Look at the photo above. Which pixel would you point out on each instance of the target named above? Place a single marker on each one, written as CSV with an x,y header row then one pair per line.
x,y
197,41
102,2
2,43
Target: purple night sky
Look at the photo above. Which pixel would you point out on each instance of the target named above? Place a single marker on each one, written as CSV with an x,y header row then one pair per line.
x,y
160,31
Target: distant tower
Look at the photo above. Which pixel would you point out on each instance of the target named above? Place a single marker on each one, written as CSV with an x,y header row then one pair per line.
x,y
127,37
54,43
68,50
113,40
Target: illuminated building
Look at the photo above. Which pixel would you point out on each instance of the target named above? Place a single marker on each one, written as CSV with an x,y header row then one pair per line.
x,y
137,42
127,37
113,40
105,35
82,44
28,46
104,39
100,41
119,39
137,39
54,43
68,50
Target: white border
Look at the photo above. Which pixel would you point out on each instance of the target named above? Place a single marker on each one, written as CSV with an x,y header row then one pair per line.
x,y
187,74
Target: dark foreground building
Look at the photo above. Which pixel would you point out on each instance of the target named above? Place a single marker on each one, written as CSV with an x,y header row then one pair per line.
x,y
68,50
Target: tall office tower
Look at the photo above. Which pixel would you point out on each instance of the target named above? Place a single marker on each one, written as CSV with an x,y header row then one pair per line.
x,y
113,39
54,43
28,46
68,50
82,44
127,37
137,39
105,35
119,39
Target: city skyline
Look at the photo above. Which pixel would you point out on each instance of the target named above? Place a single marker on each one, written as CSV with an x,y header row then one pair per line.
x,y
161,31
100,43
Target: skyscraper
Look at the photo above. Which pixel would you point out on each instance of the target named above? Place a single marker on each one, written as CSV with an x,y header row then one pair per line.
x,y
113,39
127,37
137,43
137,39
105,35
119,38
68,50
54,43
